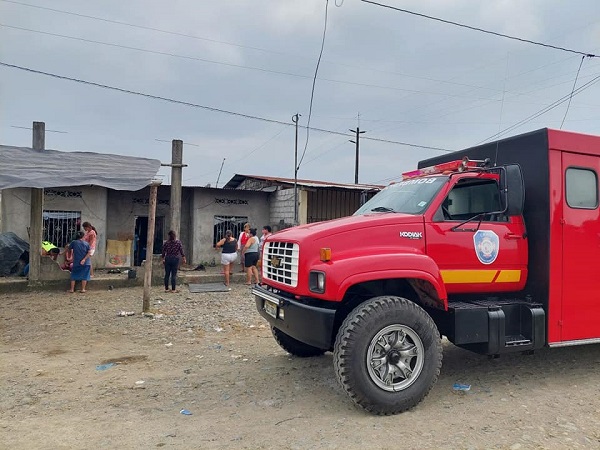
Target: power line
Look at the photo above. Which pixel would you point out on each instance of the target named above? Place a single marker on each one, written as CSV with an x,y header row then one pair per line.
x,y
222,42
590,55
156,52
572,90
312,91
195,105
543,111
47,131
142,27
241,66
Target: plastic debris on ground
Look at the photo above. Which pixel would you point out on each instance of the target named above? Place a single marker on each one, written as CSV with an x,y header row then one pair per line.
x,y
105,366
185,412
461,387
126,313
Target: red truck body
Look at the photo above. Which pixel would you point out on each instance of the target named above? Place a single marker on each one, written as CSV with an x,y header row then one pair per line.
x,y
457,253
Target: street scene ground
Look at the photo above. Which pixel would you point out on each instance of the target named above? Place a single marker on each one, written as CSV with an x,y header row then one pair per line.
x,y
75,374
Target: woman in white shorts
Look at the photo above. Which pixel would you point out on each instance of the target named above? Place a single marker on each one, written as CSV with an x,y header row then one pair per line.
x,y
229,253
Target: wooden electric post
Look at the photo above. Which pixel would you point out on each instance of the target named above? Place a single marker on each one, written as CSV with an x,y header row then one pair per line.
x,y
150,244
356,141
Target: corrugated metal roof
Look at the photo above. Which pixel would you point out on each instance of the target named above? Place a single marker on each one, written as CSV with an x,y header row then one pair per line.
x,y
238,179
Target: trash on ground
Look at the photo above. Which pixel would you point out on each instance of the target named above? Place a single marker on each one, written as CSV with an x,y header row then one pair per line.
x,y
185,412
126,313
461,387
170,344
140,382
105,366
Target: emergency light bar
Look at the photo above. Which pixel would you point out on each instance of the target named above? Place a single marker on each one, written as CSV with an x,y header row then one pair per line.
x,y
453,166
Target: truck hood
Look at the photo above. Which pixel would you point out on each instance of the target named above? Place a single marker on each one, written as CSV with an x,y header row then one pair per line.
x,y
364,222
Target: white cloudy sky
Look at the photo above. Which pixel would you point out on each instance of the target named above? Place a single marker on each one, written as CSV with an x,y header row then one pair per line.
x,y
411,79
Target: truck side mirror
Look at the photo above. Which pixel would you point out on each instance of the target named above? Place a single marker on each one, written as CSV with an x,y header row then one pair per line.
x,y
512,190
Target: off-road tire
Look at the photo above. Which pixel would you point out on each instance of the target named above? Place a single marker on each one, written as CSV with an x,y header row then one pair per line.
x,y
354,357
294,346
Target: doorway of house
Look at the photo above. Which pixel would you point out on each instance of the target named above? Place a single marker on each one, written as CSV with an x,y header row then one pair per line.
x,y
141,238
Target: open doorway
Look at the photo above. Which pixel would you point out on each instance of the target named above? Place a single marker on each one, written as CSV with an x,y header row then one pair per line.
x,y
141,238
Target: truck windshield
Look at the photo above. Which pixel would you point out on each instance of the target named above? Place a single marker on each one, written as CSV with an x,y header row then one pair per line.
x,y
410,196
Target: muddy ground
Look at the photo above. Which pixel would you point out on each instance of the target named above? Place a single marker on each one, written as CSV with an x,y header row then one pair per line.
x,y
211,354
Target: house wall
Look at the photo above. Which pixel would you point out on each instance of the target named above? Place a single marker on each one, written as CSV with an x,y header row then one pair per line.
x,y
126,206
91,201
210,202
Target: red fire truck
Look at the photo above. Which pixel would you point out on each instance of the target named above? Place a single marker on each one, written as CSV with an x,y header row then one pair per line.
x,y
494,247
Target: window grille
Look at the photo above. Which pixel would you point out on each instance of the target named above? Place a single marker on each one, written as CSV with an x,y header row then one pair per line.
x,y
224,223
60,226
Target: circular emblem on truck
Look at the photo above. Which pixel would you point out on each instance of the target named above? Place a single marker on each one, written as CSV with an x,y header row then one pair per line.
x,y
487,246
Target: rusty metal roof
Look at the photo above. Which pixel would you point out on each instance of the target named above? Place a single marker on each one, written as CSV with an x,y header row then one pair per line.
x,y
238,179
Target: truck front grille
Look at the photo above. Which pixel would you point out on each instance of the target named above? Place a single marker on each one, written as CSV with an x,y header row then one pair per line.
x,y
280,262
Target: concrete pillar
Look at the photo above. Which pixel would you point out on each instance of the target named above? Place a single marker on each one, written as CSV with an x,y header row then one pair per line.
x,y
176,181
37,210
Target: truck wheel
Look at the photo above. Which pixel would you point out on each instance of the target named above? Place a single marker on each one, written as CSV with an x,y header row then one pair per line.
x,y
294,346
387,355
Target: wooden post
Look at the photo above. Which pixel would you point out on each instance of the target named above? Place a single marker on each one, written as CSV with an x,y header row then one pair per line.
x,y
150,244
36,210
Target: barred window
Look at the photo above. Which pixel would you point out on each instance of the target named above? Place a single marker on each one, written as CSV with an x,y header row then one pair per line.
x,y
60,226
224,223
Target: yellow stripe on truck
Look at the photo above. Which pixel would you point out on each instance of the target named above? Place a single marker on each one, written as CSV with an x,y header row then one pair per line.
x,y
509,276
480,276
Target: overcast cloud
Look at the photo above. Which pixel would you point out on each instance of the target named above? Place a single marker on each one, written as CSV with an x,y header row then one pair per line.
x,y
411,79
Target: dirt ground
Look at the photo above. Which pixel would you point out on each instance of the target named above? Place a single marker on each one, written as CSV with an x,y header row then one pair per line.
x,y
211,354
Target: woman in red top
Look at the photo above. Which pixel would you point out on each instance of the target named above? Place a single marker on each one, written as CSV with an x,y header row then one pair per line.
x,y
90,237
244,236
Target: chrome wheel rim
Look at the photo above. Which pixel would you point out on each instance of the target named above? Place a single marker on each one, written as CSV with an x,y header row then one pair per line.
x,y
395,358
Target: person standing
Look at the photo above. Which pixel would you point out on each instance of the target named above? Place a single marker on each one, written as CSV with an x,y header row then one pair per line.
x,y
171,252
242,239
228,253
266,232
82,263
251,257
91,235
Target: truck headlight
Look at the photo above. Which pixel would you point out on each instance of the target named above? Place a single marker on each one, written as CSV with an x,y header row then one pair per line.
x,y
316,282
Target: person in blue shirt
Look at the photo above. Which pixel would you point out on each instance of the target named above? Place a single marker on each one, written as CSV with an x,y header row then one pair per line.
x,y
81,261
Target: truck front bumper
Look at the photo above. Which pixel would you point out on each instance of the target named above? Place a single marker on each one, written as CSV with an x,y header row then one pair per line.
x,y
309,324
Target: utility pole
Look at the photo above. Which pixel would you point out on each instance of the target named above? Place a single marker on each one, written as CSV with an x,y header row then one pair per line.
x,y
176,182
150,244
295,119
36,225
356,141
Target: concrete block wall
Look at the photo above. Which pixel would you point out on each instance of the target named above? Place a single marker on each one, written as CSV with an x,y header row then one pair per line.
x,y
282,208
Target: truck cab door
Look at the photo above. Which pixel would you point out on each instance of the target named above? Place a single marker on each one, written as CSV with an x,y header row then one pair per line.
x,y
486,254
